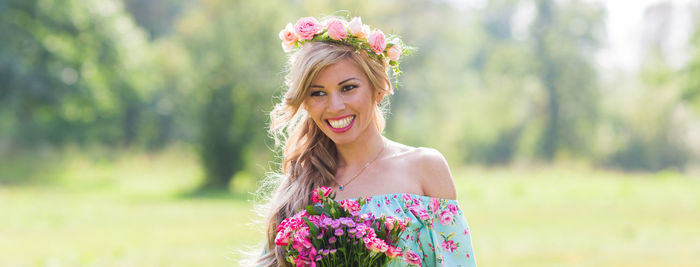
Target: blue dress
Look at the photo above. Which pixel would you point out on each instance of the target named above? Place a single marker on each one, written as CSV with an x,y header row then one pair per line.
x,y
438,232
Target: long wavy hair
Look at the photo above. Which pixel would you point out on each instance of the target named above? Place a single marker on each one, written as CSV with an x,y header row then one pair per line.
x,y
309,156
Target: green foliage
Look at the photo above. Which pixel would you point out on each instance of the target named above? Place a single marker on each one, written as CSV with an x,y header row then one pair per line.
x,y
237,70
73,72
691,92
484,86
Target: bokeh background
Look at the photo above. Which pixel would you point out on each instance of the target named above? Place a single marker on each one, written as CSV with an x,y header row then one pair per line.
x,y
132,132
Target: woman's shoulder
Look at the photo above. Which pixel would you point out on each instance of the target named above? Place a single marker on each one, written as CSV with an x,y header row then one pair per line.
x,y
429,167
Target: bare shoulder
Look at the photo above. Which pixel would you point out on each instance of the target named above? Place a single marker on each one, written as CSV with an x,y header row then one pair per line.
x,y
432,171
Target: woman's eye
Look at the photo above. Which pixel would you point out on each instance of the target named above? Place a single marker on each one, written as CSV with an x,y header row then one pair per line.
x,y
318,93
349,87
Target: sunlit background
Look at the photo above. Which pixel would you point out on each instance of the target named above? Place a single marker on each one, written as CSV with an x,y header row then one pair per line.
x,y
133,132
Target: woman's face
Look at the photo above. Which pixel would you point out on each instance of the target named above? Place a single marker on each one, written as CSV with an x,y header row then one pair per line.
x,y
340,102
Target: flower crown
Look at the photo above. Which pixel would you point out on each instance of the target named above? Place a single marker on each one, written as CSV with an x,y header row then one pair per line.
x,y
354,34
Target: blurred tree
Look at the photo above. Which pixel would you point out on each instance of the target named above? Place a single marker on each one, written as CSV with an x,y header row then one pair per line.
x,y
565,36
156,16
238,62
653,136
71,71
691,90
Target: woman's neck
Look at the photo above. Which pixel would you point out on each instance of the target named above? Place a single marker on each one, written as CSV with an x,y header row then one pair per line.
x,y
364,149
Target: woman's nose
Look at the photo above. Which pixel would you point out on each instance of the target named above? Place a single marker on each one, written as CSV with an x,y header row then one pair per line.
x,y
337,103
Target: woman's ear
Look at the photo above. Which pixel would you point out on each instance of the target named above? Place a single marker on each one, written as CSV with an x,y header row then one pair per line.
x,y
379,97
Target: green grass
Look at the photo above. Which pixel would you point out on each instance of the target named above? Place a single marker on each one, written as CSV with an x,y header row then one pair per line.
x,y
129,210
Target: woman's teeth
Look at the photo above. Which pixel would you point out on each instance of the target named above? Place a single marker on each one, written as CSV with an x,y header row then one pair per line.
x,y
341,123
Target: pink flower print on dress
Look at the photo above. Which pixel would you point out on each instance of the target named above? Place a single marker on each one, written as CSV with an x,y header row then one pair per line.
x,y
407,198
446,217
452,208
449,245
434,205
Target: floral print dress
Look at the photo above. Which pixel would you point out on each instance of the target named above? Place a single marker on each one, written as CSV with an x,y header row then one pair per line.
x,y
439,232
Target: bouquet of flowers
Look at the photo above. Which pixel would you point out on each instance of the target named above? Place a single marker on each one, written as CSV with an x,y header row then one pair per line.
x,y
331,233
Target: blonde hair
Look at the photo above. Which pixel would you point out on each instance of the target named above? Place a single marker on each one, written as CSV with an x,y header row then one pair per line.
x,y
309,156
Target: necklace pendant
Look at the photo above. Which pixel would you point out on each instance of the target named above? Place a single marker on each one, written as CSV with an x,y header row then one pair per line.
x,y
341,188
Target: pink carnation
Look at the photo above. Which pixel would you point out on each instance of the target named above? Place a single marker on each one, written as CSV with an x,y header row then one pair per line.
x,y
350,205
389,223
301,239
320,194
336,30
393,252
283,237
377,41
412,258
375,244
306,28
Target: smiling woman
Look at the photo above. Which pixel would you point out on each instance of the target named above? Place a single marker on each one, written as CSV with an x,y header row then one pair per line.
x,y
342,103
331,121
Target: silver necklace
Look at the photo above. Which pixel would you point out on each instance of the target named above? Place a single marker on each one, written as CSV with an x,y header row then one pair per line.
x,y
342,186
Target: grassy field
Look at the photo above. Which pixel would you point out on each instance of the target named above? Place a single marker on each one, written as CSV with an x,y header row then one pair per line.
x,y
133,211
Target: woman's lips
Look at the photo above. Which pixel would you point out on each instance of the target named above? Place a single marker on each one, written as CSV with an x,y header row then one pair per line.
x,y
341,124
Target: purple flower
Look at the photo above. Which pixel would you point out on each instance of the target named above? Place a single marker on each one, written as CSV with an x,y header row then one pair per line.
x,y
332,240
347,222
326,221
339,231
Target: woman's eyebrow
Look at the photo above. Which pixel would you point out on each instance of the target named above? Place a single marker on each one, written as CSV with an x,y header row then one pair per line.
x,y
342,82
353,78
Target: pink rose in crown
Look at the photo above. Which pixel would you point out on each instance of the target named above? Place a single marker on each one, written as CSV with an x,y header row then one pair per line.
x,y
394,52
287,35
306,28
357,28
336,30
377,42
